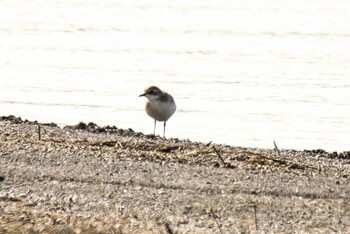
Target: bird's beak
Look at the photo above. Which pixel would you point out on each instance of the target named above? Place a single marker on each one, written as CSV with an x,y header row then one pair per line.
x,y
142,95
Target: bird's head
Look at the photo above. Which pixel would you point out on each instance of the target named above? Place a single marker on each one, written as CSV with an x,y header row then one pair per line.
x,y
151,93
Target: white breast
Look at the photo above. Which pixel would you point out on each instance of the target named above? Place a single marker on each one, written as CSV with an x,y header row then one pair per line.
x,y
160,111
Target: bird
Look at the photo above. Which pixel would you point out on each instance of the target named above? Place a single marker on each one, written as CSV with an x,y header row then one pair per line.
x,y
160,105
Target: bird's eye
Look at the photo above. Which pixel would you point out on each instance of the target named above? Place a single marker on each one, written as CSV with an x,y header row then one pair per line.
x,y
151,92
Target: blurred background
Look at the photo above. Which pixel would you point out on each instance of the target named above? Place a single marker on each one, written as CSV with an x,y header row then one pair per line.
x,y
243,73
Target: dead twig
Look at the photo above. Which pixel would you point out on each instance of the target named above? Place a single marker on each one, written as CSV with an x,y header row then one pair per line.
x,y
120,145
227,165
293,165
276,148
280,161
168,228
255,218
219,155
39,132
104,143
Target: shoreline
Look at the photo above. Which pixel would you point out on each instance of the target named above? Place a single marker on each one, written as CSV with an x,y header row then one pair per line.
x,y
87,178
94,128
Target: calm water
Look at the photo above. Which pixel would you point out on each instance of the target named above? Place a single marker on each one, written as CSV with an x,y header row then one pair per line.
x,y
242,72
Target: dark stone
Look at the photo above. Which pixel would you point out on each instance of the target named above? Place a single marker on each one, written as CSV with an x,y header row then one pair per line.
x,y
100,130
81,126
92,125
50,124
334,154
318,151
12,119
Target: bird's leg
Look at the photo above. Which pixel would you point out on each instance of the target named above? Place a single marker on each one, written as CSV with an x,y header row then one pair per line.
x,y
164,129
154,129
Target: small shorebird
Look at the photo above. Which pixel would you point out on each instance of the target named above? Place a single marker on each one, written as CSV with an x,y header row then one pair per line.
x,y
160,105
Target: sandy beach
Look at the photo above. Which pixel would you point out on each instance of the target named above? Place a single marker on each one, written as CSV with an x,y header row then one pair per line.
x,y
91,179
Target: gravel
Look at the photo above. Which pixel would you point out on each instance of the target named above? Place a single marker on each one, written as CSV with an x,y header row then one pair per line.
x,y
91,179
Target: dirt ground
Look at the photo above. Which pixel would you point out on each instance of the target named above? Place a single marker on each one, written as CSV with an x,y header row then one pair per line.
x,y
91,179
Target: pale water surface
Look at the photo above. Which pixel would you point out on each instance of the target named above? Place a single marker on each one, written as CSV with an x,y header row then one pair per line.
x,y
242,72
